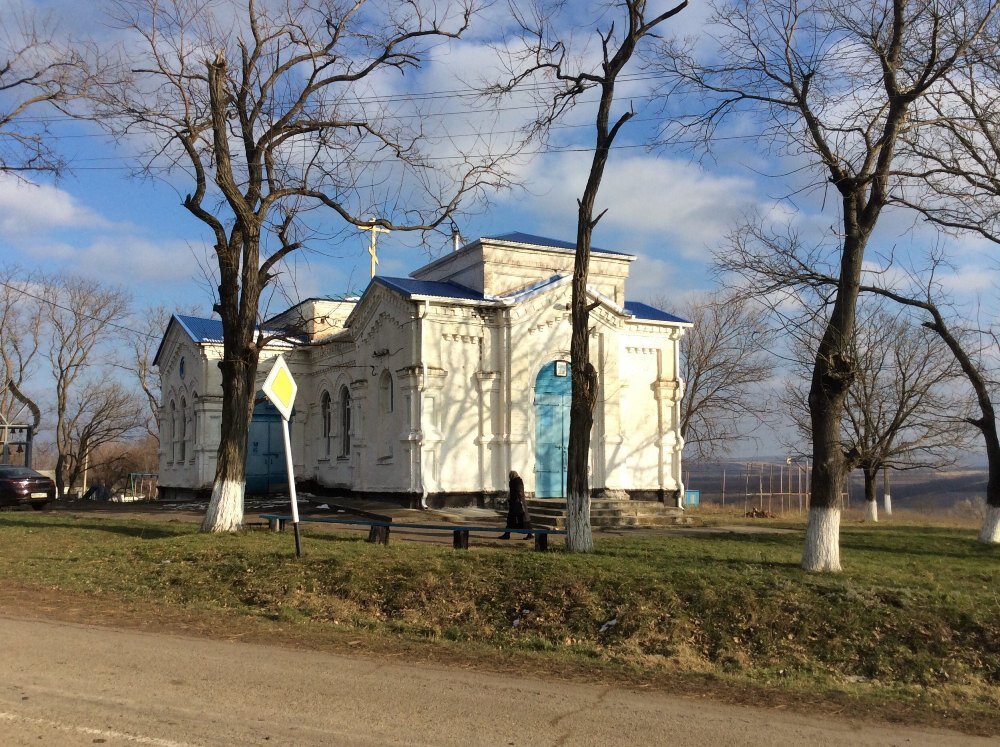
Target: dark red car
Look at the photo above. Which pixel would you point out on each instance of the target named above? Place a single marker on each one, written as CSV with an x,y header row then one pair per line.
x,y
20,486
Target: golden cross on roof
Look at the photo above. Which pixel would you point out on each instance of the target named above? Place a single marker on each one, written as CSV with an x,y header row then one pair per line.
x,y
376,230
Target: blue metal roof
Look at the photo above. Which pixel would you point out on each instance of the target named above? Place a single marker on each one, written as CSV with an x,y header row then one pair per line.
x,y
201,330
644,311
526,238
436,288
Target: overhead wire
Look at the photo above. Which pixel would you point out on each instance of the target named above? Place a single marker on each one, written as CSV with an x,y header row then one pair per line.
x,y
52,303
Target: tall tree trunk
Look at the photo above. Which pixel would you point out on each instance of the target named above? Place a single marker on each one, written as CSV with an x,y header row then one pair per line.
x,y
239,300
832,377
225,509
60,474
990,532
579,534
871,504
240,358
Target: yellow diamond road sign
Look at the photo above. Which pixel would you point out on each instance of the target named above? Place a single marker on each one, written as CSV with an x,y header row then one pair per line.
x,y
280,387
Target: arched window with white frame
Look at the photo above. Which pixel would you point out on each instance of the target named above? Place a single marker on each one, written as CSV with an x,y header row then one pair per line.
x,y
172,431
182,448
386,404
326,414
345,422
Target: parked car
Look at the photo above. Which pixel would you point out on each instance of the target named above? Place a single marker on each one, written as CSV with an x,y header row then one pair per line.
x,y
20,486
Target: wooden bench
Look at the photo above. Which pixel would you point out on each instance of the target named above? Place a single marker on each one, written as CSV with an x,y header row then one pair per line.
x,y
460,532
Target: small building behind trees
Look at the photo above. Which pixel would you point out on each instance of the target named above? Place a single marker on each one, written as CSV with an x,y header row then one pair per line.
x,y
435,386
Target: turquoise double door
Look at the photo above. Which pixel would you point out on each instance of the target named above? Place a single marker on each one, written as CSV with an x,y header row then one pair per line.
x,y
265,465
553,389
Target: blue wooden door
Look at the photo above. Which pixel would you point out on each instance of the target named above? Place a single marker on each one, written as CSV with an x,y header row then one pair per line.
x,y
265,467
553,388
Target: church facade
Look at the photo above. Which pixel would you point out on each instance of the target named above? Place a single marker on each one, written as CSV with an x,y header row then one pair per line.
x,y
430,389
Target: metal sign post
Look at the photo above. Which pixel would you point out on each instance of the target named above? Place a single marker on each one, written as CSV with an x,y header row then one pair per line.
x,y
280,388
291,487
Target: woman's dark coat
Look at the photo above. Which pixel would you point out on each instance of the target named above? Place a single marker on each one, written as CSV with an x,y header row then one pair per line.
x,y
517,511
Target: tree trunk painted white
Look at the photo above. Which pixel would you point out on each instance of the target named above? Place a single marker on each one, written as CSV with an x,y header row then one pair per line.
x,y
871,511
225,509
579,534
990,533
821,552
887,504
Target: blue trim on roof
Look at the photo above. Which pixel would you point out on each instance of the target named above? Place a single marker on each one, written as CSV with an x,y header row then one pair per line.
x,y
526,238
436,288
644,311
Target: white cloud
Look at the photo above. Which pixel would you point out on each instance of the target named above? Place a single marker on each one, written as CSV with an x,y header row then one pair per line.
x,y
657,281
969,281
664,205
121,259
29,209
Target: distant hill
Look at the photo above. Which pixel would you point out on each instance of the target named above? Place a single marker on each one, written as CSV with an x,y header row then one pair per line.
x,y
920,489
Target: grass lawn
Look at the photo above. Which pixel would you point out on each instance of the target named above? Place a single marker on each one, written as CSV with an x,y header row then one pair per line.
x,y
910,631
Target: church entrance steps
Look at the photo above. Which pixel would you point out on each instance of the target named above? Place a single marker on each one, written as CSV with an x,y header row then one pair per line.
x,y
551,513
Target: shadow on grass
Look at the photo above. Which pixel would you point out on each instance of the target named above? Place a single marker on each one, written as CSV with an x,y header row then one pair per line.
x,y
919,543
140,531
895,540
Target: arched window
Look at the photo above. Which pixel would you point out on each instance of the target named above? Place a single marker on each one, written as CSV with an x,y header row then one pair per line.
x,y
326,413
385,394
194,420
345,422
385,425
172,431
182,449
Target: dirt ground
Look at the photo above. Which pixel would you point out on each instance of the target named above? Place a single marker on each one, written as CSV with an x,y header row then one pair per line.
x,y
92,684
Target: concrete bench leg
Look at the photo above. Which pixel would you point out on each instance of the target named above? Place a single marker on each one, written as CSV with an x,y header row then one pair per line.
x,y
275,525
460,539
378,535
541,541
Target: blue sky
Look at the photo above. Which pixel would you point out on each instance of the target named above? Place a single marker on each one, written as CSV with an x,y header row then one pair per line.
x,y
97,220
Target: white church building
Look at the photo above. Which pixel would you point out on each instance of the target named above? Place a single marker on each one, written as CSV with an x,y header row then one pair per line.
x,y
433,387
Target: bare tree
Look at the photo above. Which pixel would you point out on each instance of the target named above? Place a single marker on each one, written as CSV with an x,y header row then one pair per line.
x,y
547,57
955,183
835,84
40,76
102,412
112,463
903,409
269,108
144,336
787,271
20,338
725,357
974,370
80,317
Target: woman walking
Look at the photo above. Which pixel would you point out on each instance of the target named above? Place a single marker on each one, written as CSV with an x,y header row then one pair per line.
x,y
517,510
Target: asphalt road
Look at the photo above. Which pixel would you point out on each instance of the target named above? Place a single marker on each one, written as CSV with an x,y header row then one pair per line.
x,y
65,684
